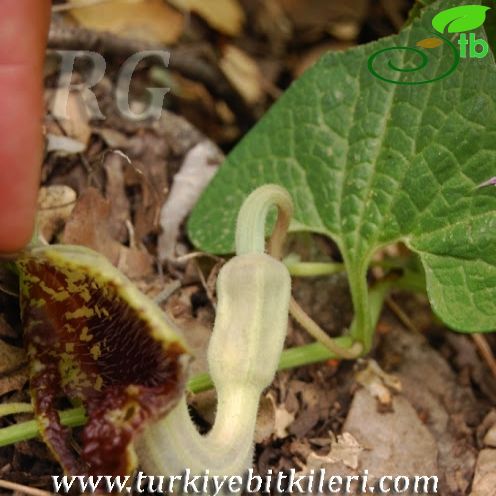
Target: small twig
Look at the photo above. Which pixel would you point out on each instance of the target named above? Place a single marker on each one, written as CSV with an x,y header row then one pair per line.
x,y
486,352
205,285
401,315
8,291
211,281
30,491
121,154
131,234
320,335
167,292
197,254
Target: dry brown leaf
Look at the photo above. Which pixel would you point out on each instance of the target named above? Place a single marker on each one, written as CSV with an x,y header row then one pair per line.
x,y
345,448
76,125
205,405
344,30
148,20
485,474
490,437
311,56
394,442
266,419
89,226
378,383
197,336
14,381
115,191
9,285
313,18
243,73
283,419
193,92
487,430
11,358
63,145
112,137
146,175
149,174
6,330
269,20
440,401
226,16
134,262
13,368
429,43
55,205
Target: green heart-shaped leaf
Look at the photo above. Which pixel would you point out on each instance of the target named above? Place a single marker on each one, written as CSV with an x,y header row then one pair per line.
x,y
370,163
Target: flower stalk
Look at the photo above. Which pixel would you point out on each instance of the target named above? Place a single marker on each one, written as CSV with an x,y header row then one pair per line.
x,y
253,290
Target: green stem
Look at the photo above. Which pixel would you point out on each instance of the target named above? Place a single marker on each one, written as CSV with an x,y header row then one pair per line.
x,y
314,269
290,358
293,357
23,431
361,328
13,408
377,295
318,269
311,353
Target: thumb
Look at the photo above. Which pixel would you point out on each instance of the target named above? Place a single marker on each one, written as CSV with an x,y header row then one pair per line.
x,y
23,32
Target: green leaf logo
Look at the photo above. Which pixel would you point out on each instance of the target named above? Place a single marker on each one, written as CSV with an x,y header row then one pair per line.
x,y
459,19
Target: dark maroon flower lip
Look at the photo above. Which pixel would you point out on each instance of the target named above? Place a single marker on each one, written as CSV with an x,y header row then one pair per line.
x,y
94,339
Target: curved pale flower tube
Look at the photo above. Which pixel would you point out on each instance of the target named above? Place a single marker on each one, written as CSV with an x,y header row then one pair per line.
x,y
254,291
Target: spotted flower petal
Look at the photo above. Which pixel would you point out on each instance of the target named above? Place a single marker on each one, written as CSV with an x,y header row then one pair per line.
x,y
94,339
